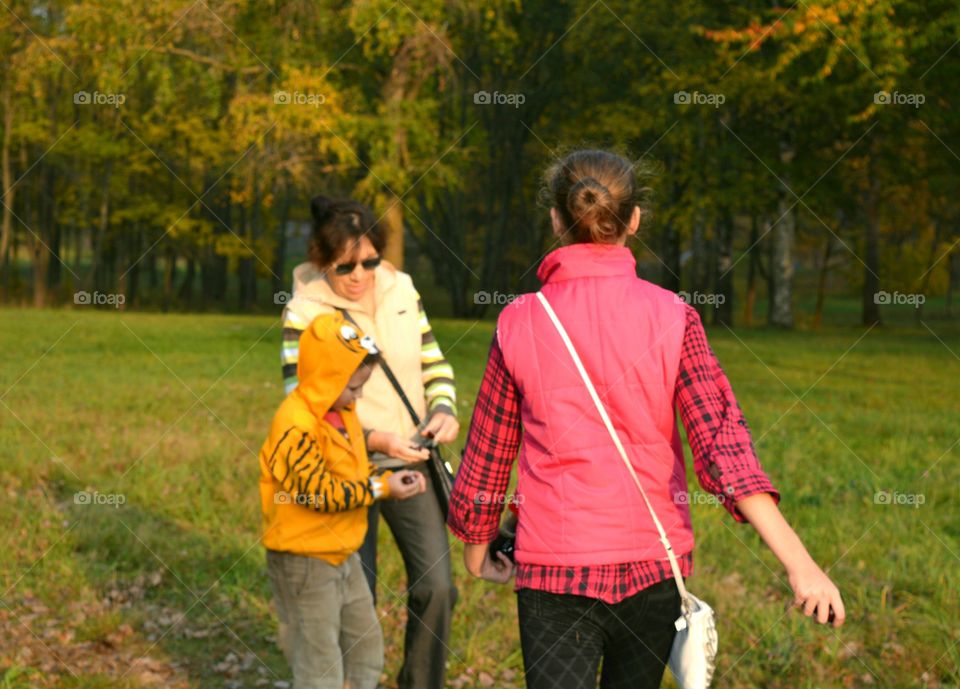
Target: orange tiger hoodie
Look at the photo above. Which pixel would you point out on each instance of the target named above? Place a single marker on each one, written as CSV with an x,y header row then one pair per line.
x,y
316,485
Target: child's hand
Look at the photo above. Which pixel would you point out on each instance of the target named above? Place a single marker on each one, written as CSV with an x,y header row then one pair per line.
x,y
393,445
815,593
405,484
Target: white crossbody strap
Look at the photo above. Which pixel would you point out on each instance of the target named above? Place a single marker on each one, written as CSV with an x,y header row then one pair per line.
x,y
616,441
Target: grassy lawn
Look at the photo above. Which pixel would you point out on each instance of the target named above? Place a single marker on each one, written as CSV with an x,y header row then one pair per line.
x,y
165,414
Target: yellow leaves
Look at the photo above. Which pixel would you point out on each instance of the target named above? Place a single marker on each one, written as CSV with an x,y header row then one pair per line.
x,y
815,14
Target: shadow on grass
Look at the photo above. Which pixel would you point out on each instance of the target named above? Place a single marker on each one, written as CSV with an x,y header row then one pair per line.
x,y
199,601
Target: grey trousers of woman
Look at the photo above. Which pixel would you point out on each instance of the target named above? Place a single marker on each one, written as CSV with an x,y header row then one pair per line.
x,y
420,531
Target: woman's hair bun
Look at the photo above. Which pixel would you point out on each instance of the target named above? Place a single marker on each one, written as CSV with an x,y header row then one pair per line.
x,y
586,195
339,223
321,207
595,193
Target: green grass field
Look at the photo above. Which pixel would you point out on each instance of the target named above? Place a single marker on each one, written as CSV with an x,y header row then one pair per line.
x,y
169,588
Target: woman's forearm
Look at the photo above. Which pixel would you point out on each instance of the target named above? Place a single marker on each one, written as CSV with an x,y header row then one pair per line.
x,y
764,515
473,556
812,588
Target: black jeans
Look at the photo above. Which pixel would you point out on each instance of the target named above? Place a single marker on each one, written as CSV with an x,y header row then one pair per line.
x,y
564,637
421,535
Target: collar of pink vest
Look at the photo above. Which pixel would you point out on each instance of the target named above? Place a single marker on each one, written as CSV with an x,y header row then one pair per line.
x,y
586,260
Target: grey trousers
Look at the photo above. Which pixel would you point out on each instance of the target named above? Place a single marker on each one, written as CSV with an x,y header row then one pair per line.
x,y
421,535
328,627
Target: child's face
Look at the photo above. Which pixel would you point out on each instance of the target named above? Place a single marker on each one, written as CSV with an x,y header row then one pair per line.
x,y
354,389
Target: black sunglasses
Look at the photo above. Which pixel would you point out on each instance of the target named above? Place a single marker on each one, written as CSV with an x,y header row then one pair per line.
x,y
347,268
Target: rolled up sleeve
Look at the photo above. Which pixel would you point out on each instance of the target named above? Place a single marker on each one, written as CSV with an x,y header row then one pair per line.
x,y
492,445
724,457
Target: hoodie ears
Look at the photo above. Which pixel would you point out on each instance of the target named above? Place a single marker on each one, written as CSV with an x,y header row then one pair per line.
x,y
348,334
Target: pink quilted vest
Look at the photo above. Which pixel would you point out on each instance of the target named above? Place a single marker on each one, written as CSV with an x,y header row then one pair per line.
x,y
577,502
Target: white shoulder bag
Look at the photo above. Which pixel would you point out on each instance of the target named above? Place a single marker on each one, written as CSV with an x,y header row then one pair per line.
x,y
695,645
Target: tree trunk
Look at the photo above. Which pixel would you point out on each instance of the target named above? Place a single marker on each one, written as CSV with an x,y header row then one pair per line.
x,y
117,265
54,273
931,260
698,265
185,293
102,227
751,295
41,264
41,244
8,189
822,282
393,222
169,268
670,273
245,267
153,275
781,269
871,270
780,313
724,281
954,278
133,277
280,254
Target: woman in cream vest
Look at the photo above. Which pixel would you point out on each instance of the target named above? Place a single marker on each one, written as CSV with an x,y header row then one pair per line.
x,y
345,273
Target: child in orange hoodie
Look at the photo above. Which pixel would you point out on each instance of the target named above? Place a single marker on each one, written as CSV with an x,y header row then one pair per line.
x,y
315,487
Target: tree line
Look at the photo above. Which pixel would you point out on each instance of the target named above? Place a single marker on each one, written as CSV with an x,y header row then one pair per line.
x,y
162,151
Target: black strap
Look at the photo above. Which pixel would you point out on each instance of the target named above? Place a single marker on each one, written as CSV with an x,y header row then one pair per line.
x,y
389,373
441,476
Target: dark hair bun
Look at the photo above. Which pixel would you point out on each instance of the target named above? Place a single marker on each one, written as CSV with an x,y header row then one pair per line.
x,y
337,224
321,207
586,195
595,193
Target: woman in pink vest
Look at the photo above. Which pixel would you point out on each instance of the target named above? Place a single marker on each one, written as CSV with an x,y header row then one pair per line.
x,y
592,578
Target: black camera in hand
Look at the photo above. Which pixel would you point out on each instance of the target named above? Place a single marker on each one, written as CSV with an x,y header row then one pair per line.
x,y
506,539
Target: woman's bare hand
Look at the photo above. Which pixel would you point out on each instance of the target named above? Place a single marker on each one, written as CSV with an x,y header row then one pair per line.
x,y
476,558
393,445
814,592
442,427
812,588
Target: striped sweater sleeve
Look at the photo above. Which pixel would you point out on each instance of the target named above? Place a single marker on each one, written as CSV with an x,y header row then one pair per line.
x,y
296,462
293,326
438,382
